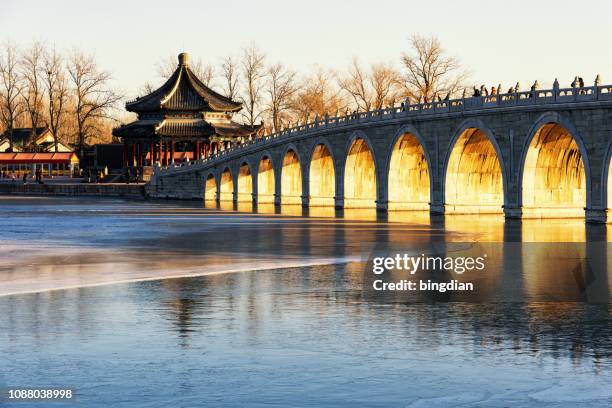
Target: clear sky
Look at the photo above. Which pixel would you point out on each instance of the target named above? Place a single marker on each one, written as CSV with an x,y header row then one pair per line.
x,y
499,41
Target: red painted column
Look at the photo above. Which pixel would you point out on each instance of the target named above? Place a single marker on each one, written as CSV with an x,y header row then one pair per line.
x,y
196,153
171,151
151,153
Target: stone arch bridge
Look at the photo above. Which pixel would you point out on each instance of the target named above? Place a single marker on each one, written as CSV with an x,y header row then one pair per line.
x,y
541,153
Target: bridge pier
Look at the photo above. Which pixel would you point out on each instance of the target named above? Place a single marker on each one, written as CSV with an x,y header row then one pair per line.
x,y
436,209
513,212
382,206
596,215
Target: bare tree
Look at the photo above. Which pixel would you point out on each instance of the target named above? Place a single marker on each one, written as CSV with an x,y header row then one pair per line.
x,y
384,80
56,85
11,105
204,72
317,96
355,84
280,88
370,88
229,72
253,74
33,89
94,99
429,71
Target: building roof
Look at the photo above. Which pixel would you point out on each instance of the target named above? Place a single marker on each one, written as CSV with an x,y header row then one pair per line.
x,y
36,158
183,91
183,127
22,135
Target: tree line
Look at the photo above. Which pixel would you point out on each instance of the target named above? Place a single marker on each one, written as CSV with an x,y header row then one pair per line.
x,y
278,96
74,97
67,92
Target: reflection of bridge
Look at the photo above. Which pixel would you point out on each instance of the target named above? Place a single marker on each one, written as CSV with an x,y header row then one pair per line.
x,y
535,153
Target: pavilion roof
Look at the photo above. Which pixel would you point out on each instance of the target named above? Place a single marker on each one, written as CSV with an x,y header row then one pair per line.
x,y
183,127
183,91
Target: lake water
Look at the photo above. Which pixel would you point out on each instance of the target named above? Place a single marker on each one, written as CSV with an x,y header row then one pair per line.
x,y
157,304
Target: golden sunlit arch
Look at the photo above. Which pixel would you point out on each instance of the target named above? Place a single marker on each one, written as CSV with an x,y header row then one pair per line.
x,y
226,186
265,181
245,184
408,174
210,189
474,182
322,177
554,175
359,175
291,178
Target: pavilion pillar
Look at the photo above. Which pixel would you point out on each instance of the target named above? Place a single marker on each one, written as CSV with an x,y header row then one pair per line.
x,y
125,154
134,155
159,152
196,152
151,154
172,152
138,154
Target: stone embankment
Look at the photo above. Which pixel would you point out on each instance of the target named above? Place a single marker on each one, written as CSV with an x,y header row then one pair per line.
x,y
74,189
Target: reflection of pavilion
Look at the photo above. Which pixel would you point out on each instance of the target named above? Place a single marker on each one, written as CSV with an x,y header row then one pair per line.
x,y
181,120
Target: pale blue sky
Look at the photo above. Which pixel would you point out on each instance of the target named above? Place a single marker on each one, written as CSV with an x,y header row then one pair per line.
x,y
500,41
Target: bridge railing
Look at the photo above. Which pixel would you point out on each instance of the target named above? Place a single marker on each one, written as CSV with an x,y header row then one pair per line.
x,y
555,95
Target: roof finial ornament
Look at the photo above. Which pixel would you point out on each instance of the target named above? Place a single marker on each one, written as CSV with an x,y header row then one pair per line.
x,y
183,59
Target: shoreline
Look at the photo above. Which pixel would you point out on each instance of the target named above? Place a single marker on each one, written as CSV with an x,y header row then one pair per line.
x,y
110,190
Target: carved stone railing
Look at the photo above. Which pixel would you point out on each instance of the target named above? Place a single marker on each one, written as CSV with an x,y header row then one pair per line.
x,y
523,98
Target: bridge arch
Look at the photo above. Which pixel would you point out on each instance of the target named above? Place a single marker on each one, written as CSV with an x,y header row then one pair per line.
x,y
408,171
210,188
245,183
360,189
226,186
474,172
554,171
322,174
266,185
291,176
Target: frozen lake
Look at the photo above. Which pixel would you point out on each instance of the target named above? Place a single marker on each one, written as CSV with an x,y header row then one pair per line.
x,y
168,304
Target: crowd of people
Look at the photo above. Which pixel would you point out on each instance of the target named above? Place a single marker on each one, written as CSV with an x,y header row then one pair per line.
x,y
578,82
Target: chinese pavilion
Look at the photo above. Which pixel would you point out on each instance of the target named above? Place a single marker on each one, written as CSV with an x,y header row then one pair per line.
x,y
182,120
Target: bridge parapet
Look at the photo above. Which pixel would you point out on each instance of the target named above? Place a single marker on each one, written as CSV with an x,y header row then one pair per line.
x,y
555,97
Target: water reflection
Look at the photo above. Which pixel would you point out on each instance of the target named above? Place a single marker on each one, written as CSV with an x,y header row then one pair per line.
x,y
204,334
292,334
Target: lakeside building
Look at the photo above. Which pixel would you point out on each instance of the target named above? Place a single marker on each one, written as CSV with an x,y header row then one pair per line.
x,y
34,149
52,164
40,139
180,121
